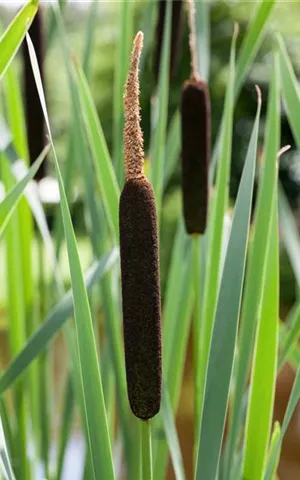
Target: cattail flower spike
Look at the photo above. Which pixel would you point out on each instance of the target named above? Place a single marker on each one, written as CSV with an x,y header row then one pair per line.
x,y
193,41
139,254
133,136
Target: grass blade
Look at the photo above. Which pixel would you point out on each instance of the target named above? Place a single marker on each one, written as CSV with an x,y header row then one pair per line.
x,y
37,343
292,404
91,385
264,366
175,338
89,36
216,223
291,96
5,465
224,333
12,38
160,106
273,444
171,434
252,41
19,169
290,233
172,147
16,114
16,324
97,231
290,90
250,45
103,166
256,263
11,200
291,337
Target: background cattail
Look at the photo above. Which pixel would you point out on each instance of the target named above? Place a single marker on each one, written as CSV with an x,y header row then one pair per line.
x,y
195,141
34,115
139,262
195,154
176,34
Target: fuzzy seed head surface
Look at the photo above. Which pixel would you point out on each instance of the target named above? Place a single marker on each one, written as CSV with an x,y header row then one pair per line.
x,y
139,252
133,136
195,154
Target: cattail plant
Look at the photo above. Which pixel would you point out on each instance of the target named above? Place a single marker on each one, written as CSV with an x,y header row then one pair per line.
x,y
139,261
195,138
195,153
176,33
34,115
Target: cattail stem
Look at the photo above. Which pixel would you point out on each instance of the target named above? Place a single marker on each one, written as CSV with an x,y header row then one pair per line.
x,y
198,388
146,446
176,33
193,40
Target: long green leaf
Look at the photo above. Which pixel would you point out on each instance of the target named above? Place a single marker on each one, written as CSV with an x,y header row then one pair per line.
x,y
171,434
103,166
250,46
256,264
160,113
291,337
19,170
290,90
110,299
14,34
216,223
16,324
252,40
176,327
273,450
172,147
5,465
291,96
221,355
11,200
264,366
290,235
53,323
292,404
91,385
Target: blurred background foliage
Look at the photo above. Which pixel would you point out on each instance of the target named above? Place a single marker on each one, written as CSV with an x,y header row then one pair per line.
x,y
285,19
105,15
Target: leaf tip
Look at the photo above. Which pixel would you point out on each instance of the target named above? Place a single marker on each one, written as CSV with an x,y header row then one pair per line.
x,y
236,30
258,91
283,150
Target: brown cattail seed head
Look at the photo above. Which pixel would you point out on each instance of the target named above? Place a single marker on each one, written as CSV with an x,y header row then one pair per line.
x,y
195,154
34,115
141,297
139,262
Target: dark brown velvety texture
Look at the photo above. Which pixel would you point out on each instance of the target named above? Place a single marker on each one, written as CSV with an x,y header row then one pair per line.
x,y
141,297
175,35
34,115
195,154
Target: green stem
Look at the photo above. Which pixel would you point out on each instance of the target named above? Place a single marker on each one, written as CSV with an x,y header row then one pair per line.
x,y
44,369
146,450
196,343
